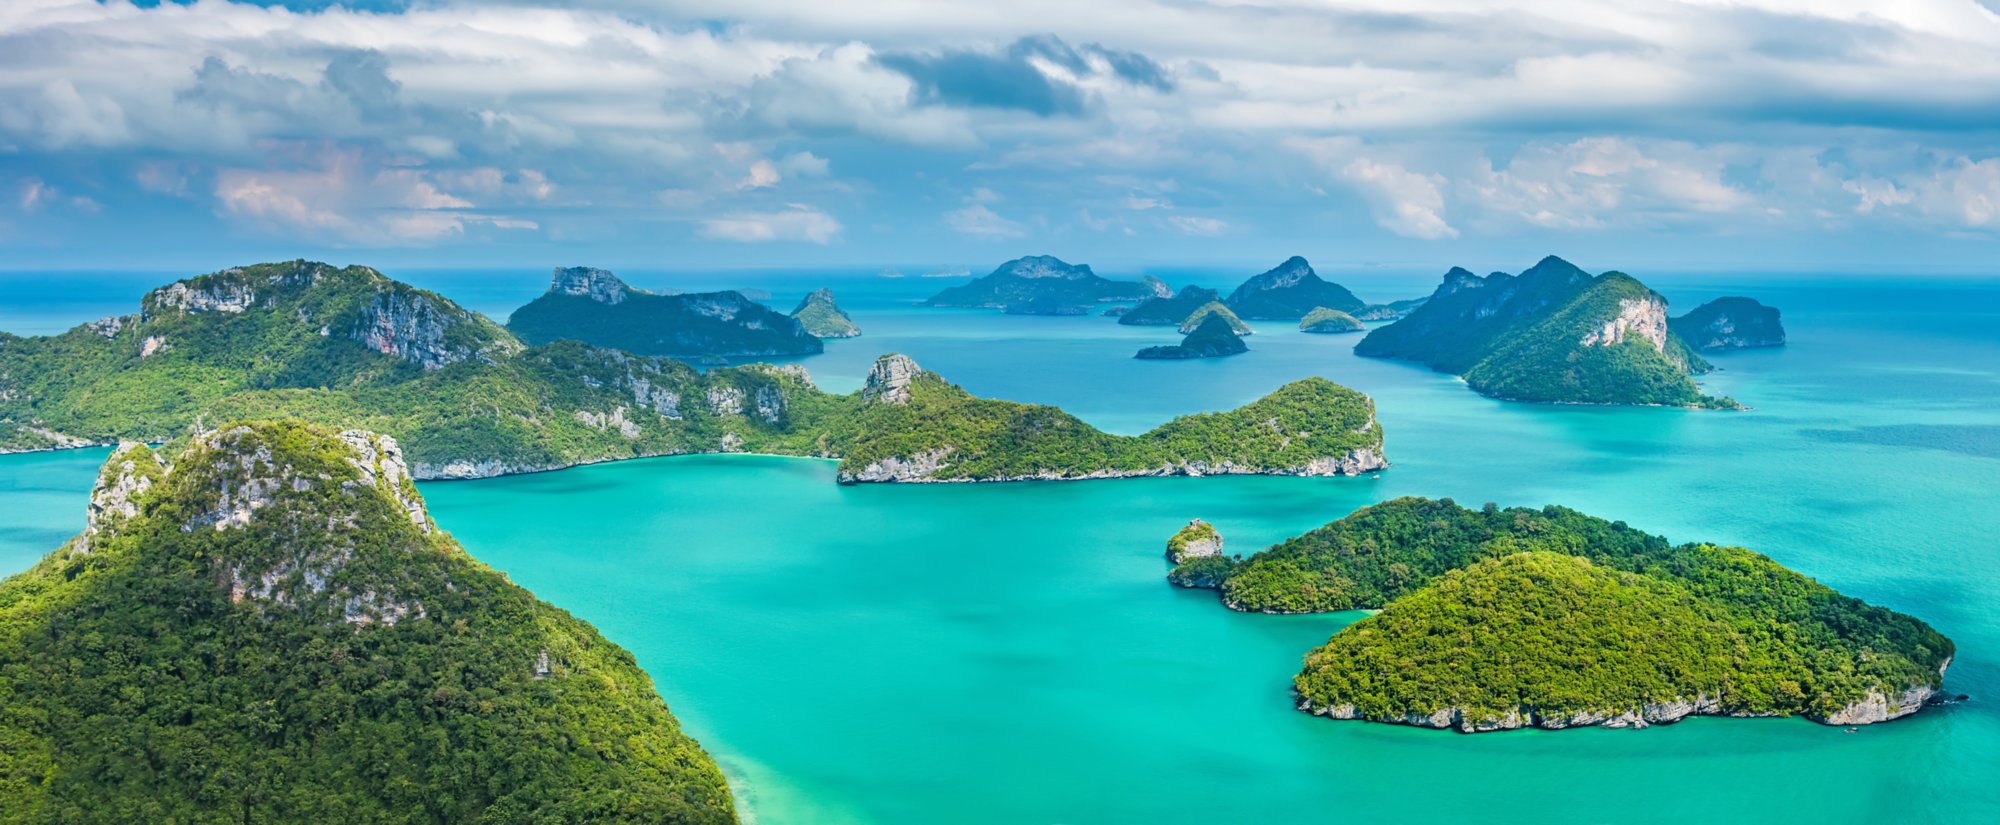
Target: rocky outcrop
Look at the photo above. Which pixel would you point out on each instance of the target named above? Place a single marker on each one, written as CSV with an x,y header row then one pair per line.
x,y
823,318
1159,288
1881,707
131,471
218,295
417,327
590,282
1642,318
379,460
1213,338
1198,539
889,379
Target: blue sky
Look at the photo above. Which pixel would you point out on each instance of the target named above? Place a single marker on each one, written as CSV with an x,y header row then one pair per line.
x,y
1765,134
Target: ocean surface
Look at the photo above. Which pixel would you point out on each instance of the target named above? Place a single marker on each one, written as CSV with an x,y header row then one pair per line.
x,y
1011,653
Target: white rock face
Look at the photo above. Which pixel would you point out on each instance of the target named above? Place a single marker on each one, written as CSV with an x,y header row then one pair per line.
x,y
609,421
119,484
220,296
413,327
380,460
1197,540
1642,318
889,380
590,282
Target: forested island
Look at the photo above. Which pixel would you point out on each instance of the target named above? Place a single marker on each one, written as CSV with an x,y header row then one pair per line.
x,y
353,348
595,307
1554,333
1325,321
1213,337
1288,291
1731,323
265,625
1499,618
822,318
1045,285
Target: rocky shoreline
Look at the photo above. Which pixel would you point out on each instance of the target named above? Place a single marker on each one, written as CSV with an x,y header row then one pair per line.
x,y
921,469
1874,708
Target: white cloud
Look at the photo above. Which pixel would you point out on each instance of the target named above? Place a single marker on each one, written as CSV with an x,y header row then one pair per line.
x,y
796,222
1404,202
1193,225
980,221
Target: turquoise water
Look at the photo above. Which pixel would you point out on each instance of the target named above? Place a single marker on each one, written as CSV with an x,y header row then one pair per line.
x,y
1010,653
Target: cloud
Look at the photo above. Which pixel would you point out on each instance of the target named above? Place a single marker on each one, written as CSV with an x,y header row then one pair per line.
x,y
1599,181
342,199
980,221
1203,227
796,222
1038,75
1404,202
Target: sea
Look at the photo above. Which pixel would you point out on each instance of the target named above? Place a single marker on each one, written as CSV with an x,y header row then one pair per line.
x,y
1012,653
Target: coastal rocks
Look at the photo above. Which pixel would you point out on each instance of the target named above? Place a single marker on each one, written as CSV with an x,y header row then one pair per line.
x,y
919,467
1641,318
1880,707
1731,323
889,379
589,282
1198,539
465,468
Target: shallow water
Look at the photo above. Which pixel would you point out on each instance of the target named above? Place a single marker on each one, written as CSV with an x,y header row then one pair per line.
x,y
1010,653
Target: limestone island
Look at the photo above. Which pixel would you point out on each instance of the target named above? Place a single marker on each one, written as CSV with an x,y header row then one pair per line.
x,y
822,318
1730,323
1219,310
1213,338
1169,310
1196,552
350,347
1390,311
1554,333
1288,291
265,624
595,307
1327,321
1496,619
1044,284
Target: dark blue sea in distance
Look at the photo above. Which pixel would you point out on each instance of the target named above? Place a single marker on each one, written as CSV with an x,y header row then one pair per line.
x,y
1011,653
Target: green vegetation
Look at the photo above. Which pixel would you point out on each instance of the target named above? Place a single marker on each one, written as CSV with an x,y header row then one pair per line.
x,y
1197,539
1324,320
593,306
274,631
1731,323
467,399
1217,309
1552,334
1390,311
1288,291
1214,337
821,317
1169,311
1045,279
1548,614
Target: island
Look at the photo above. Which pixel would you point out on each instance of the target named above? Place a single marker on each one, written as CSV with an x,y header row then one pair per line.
x,y
1554,333
1169,310
595,307
1288,291
1390,311
1044,283
466,399
822,318
1496,619
266,625
1730,323
1219,310
1324,320
1213,338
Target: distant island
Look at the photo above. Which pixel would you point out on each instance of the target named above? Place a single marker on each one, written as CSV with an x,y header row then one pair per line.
x,y
1288,291
1212,338
1329,321
1169,310
351,347
1219,310
1554,333
1390,311
1045,285
822,318
595,307
1730,323
264,624
1505,618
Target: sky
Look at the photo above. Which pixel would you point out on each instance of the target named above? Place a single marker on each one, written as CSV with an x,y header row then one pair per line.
x,y
1844,135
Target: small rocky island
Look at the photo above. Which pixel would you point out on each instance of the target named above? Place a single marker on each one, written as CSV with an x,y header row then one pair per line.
x,y
1326,321
1213,338
1045,285
822,318
1219,310
273,602
595,307
1169,310
1730,323
1288,291
1495,619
